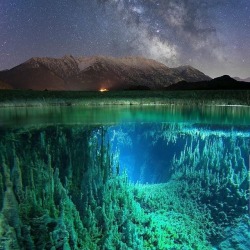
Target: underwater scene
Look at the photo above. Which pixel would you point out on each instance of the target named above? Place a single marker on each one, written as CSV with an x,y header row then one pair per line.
x,y
125,178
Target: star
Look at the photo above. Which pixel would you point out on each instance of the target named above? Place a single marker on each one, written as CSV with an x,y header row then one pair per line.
x,y
201,30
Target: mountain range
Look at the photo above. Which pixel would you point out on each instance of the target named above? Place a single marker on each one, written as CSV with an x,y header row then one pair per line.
x,y
94,73
99,72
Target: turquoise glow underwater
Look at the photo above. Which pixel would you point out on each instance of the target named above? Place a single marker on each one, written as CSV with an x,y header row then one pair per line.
x,y
124,181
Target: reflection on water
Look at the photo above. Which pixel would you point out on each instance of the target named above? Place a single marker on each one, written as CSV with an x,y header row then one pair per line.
x,y
124,178
122,114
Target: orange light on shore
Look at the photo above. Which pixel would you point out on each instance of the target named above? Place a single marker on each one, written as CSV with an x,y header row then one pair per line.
x,y
103,90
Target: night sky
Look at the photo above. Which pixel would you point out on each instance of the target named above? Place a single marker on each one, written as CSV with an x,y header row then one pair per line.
x,y
211,35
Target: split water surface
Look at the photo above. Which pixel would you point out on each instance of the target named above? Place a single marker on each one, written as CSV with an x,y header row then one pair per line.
x,y
125,177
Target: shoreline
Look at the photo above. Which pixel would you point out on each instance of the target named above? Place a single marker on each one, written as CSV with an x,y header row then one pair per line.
x,y
28,98
95,105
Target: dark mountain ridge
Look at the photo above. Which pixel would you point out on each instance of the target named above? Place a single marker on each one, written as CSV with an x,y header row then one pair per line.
x,y
94,73
220,83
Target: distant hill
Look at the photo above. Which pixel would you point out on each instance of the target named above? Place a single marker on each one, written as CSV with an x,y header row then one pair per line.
x,y
94,73
219,83
242,80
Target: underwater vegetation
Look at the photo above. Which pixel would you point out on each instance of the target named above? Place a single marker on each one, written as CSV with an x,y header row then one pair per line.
x,y
66,187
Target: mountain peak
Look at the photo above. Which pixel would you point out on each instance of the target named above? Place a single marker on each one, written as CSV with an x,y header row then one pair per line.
x,y
224,78
68,56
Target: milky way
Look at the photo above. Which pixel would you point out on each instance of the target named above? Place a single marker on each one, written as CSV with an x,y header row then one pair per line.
x,y
213,36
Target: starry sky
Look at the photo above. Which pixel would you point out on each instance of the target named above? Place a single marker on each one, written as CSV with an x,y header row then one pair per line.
x,y
210,35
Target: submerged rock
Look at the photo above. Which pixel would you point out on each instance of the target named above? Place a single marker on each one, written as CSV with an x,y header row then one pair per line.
x,y
238,236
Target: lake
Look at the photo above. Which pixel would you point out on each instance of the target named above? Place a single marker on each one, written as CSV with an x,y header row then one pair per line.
x,y
125,177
